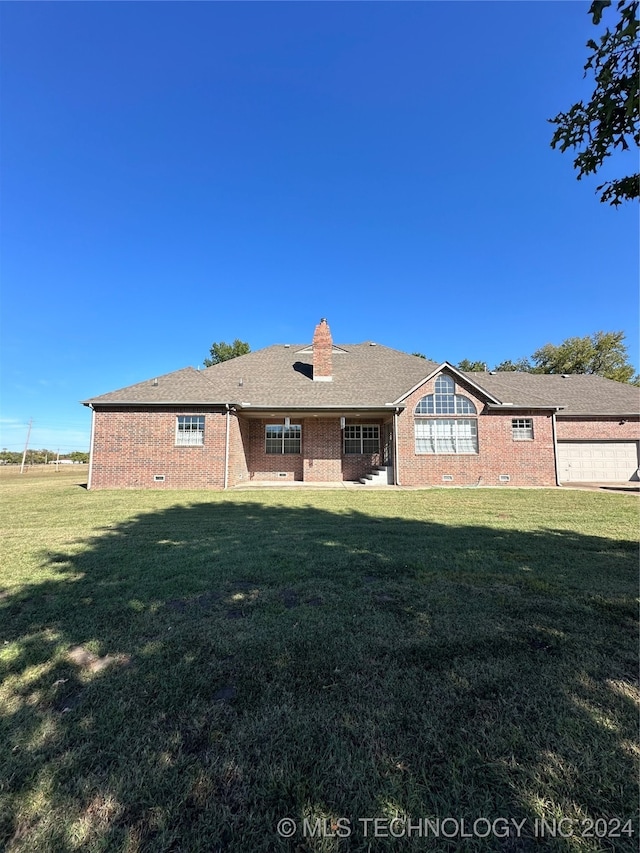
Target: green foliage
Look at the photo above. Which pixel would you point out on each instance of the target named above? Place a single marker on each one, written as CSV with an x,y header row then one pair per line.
x,y
603,353
610,120
522,365
39,457
222,351
471,366
419,354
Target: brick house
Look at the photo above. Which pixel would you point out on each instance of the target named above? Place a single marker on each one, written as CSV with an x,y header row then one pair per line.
x,y
325,412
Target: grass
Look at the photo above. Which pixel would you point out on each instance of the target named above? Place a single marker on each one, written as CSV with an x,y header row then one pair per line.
x,y
180,670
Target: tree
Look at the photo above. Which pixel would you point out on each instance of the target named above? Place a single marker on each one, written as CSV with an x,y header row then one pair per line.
x,y
222,351
522,365
603,353
471,366
612,117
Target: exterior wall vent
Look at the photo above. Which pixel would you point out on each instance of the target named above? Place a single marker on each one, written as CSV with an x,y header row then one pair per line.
x,y
282,474
447,478
504,478
158,478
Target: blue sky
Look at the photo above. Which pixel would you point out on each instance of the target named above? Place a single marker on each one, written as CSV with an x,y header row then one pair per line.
x,y
175,174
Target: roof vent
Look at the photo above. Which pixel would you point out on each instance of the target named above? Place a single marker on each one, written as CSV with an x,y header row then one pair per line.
x,y
286,346
566,375
241,383
373,344
492,372
155,382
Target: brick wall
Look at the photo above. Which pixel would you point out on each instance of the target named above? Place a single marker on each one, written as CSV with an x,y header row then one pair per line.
x,y
528,463
321,459
131,446
238,440
268,466
579,429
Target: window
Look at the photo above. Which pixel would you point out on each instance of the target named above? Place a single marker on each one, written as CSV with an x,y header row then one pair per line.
x,y
361,438
446,436
190,430
282,439
450,435
522,429
445,401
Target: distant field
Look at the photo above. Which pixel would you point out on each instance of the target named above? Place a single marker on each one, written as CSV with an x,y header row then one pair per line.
x,y
182,670
11,473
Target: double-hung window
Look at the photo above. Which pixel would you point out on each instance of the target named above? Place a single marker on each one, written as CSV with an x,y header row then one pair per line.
x,y
190,430
361,439
450,434
283,439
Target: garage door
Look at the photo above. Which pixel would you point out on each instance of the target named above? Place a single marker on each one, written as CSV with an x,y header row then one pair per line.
x,y
595,461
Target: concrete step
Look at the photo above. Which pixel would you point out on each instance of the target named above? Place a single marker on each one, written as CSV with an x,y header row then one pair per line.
x,y
382,475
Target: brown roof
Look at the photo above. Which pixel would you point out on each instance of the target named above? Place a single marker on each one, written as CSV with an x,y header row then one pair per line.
x,y
182,386
577,393
364,376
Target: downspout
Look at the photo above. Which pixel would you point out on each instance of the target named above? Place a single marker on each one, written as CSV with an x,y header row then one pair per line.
x,y
93,422
226,450
396,458
555,448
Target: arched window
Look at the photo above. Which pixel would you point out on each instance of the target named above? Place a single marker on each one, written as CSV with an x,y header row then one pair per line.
x,y
450,435
445,401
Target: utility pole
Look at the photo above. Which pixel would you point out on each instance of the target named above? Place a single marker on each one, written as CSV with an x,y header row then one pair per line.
x,y
58,461
26,445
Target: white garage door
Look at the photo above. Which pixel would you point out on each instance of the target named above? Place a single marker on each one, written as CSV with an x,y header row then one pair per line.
x,y
595,461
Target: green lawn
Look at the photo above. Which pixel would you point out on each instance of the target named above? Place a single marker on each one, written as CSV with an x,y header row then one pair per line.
x,y
181,670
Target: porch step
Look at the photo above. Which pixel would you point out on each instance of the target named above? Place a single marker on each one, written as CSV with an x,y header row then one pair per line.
x,y
382,475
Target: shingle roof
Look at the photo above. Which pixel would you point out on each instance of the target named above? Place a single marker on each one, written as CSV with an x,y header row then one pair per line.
x,y
364,375
577,393
181,386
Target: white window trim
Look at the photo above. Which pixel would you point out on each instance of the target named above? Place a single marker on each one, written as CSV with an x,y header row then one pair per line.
x,y
284,429
455,437
181,433
361,439
522,429
447,402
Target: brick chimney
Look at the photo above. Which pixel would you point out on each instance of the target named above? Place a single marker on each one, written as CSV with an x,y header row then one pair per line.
x,y
322,347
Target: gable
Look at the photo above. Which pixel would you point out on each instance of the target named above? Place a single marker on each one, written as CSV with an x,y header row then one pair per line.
x,y
448,369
